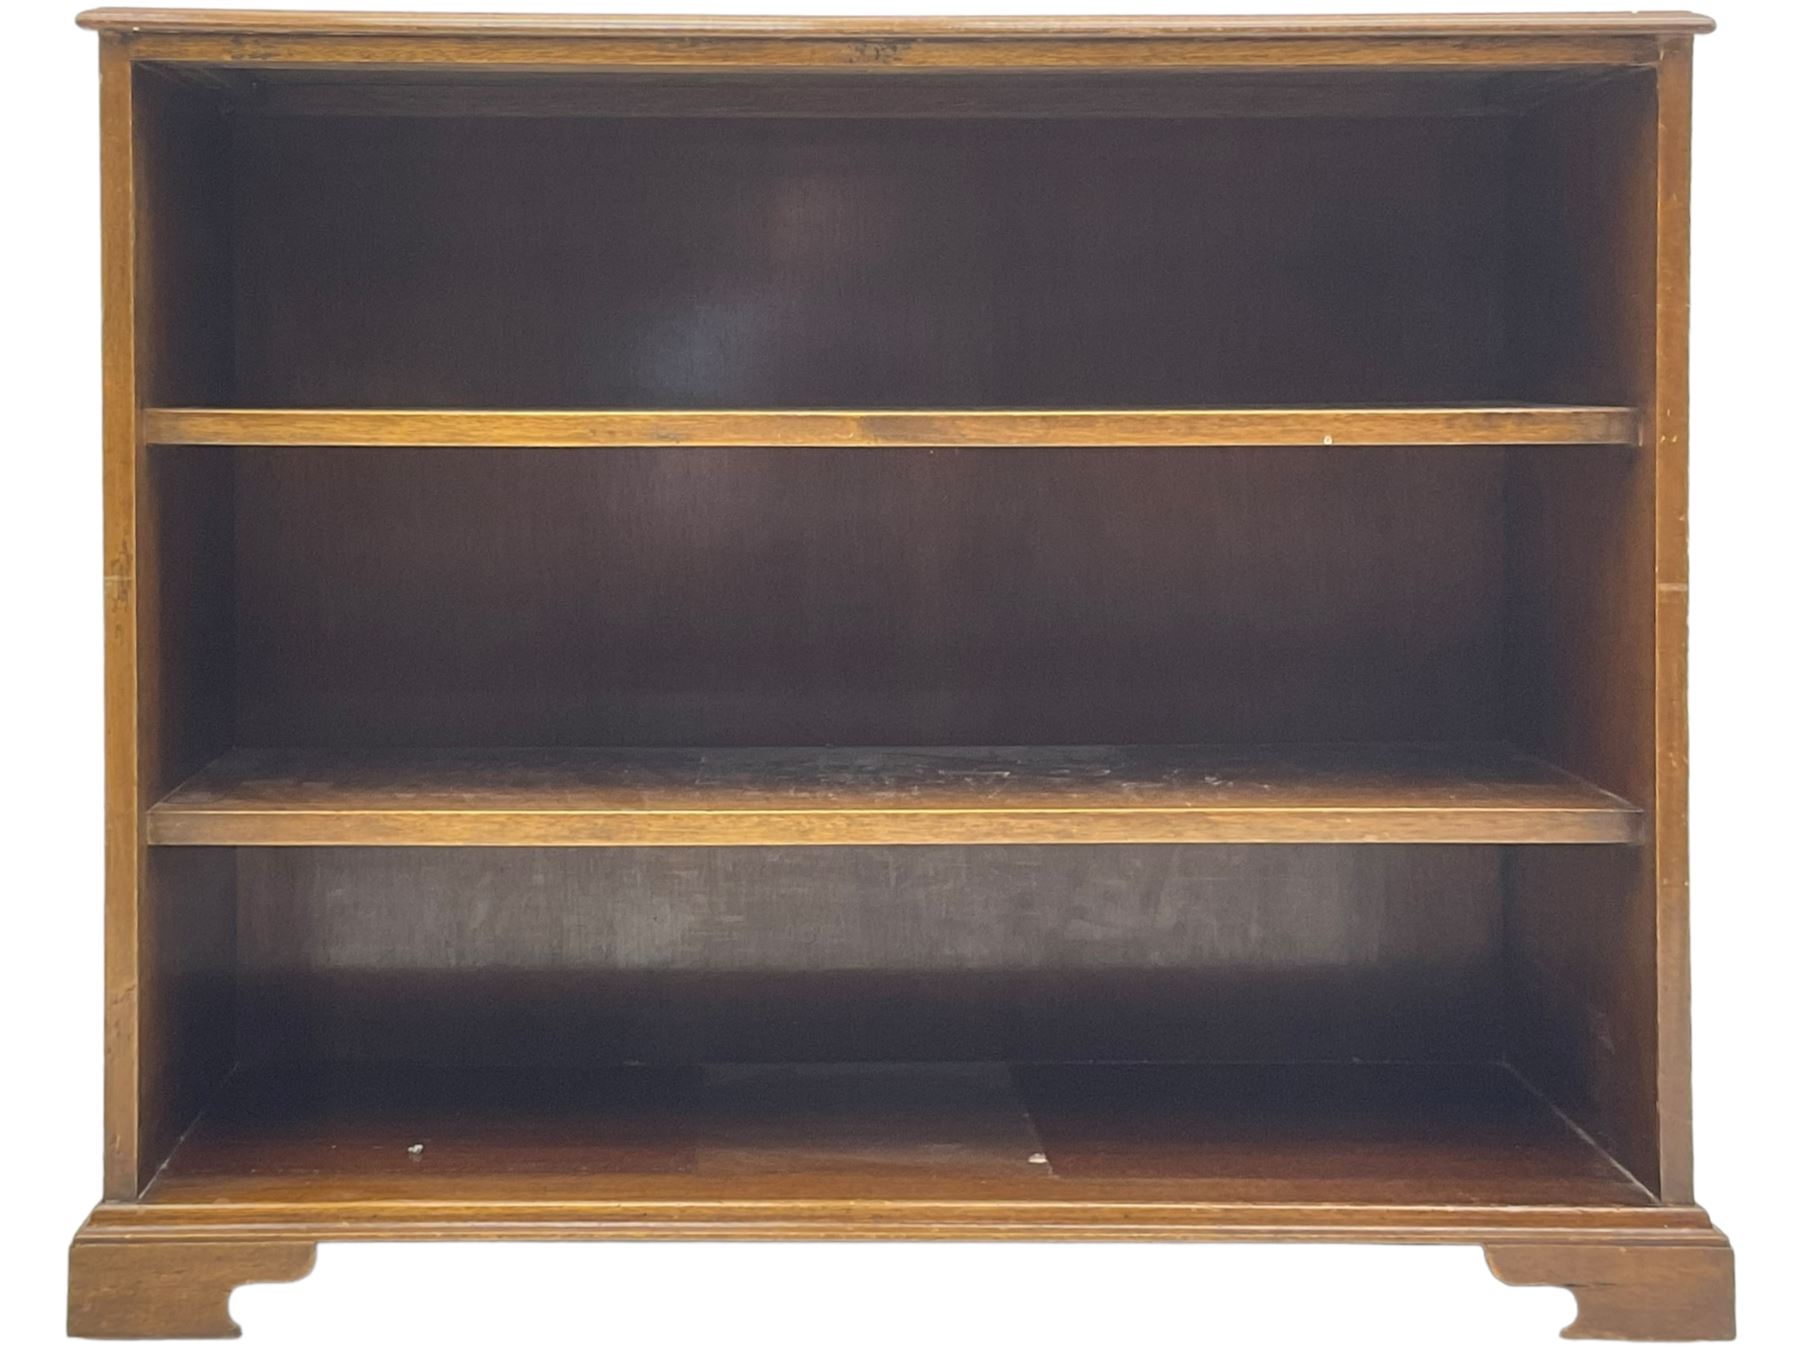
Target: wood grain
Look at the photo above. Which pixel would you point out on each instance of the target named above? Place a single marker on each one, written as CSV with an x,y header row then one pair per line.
x,y
823,428
1239,92
273,22
908,1214
896,55
125,854
1678,1291
768,1134
690,596
676,956
1668,432
167,623
120,1290
1596,613
187,996
869,264
1038,794
170,607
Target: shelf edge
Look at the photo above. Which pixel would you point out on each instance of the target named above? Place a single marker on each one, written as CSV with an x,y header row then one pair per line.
x,y
187,826
274,23
1130,1219
876,428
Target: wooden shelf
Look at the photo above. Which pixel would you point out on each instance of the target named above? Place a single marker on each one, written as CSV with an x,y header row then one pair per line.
x,y
1394,1134
960,795
851,428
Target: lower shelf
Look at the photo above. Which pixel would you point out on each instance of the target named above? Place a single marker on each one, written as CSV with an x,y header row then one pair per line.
x,y
1445,794
1390,1135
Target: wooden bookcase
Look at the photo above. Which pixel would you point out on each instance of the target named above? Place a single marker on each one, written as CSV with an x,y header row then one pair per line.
x,y
896,628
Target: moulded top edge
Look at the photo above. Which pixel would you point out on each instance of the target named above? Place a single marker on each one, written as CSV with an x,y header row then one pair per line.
x,y
289,23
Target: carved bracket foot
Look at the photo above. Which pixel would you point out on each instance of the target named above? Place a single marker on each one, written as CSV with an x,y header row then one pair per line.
x,y
1632,1291
170,1288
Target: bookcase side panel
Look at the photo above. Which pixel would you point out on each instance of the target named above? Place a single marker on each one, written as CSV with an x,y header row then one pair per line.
x,y
120,450
1596,944
170,919
1667,431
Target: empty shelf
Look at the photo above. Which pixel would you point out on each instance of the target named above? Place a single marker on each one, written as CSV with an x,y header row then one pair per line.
x,y
1394,1134
1441,794
828,428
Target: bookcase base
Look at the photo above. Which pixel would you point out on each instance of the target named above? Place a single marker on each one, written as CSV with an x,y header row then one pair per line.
x,y
135,1289
142,1271
1632,1291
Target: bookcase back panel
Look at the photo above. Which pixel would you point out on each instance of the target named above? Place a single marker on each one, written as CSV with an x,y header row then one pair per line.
x,y
791,262
673,596
1061,94
546,956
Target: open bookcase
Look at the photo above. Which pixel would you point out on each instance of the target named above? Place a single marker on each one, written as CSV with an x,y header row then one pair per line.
x,y
896,628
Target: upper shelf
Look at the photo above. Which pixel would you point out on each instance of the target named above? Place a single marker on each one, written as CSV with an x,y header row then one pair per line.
x,y
1410,794
827,428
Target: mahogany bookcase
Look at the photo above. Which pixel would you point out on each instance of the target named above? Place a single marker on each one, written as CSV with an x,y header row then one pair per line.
x,y
896,629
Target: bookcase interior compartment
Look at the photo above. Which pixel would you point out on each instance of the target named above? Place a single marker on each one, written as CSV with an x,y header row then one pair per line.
x,y
424,638
367,646
680,596
1321,1022
1175,240
427,637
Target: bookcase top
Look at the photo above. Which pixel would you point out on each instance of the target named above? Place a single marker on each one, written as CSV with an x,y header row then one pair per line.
x,y
287,23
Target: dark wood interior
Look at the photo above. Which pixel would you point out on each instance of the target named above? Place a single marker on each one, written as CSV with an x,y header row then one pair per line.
x,y
675,955
1225,239
690,596
1321,1134
328,241
866,263
792,597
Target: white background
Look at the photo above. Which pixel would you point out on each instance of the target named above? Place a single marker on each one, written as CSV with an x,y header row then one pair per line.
x,y
1746,792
